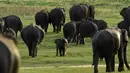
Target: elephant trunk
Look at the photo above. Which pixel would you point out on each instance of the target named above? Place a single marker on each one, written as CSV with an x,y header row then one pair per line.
x,y
34,49
125,58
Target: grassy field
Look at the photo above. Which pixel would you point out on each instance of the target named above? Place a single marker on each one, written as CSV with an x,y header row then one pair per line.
x,y
107,10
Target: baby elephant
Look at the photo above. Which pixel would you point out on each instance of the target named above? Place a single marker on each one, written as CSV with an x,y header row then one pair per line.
x,y
61,45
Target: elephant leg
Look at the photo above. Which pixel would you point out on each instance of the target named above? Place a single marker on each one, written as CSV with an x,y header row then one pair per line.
x,y
36,51
63,51
69,39
46,27
15,65
77,39
60,51
125,58
95,62
74,38
34,45
29,48
113,64
54,28
16,33
56,51
60,27
82,40
108,64
121,62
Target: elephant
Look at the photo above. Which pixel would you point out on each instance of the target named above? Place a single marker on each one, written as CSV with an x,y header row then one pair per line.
x,y
57,18
84,29
69,31
61,45
32,36
79,12
12,21
9,54
91,11
101,24
106,44
9,32
42,18
125,24
126,15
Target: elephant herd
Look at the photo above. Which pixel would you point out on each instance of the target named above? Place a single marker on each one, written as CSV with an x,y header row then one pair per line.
x,y
106,42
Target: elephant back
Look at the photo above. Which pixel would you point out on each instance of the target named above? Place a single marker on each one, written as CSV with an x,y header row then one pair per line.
x,y
29,33
57,15
42,17
87,28
40,32
127,15
78,12
13,22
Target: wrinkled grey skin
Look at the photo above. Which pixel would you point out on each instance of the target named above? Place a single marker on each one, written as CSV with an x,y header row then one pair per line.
x,y
57,18
61,46
32,36
42,18
69,31
106,44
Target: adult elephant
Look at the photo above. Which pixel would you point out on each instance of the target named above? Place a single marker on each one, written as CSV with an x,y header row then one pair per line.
x,y
78,12
125,24
42,18
32,36
69,31
126,15
108,42
57,18
12,21
91,11
86,29
81,11
101,24
9,54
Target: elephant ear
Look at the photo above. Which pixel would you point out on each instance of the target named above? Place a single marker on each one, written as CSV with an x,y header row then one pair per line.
x,y
125,35
55,41
92,11
65,42
122,13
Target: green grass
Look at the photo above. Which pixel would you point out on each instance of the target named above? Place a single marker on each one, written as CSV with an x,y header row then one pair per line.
x,y
65,70
107,10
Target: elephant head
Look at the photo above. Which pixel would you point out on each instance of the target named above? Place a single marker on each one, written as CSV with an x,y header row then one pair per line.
x,y
10,33
61,45
123,12
91,11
